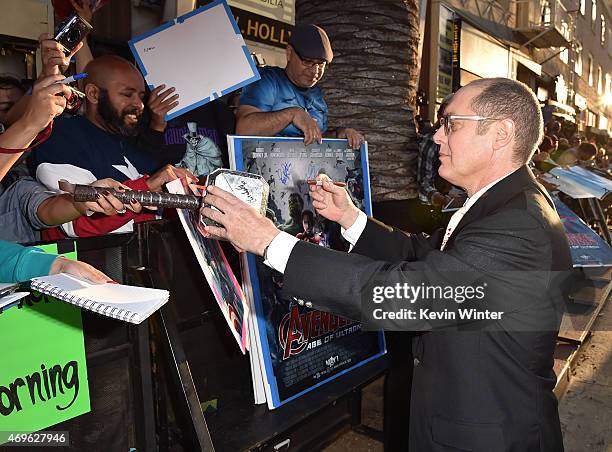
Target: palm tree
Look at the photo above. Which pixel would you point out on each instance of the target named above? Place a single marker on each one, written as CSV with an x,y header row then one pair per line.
x,y
371,84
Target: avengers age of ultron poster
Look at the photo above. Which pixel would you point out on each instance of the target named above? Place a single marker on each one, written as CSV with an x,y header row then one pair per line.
x,y
217,271
302,348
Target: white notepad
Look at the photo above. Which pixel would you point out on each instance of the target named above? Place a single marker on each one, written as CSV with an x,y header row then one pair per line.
x,y
201,54
128,303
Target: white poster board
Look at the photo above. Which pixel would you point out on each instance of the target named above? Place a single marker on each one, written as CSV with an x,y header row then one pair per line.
x,y
201,54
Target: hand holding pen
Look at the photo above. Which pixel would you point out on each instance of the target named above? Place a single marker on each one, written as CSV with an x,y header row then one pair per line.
x,y
332,201
47,101
72,79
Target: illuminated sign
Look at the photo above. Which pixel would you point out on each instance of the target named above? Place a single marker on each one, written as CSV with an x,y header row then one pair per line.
x,y
456,54
580,102
280,10
262,29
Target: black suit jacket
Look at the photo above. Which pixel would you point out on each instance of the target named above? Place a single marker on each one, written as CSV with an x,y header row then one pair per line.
x,y
488,388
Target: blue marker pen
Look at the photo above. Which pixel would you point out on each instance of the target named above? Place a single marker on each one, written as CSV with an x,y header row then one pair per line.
x,y
72,78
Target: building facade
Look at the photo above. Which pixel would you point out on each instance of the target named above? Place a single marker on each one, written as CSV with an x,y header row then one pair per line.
x,y
561,49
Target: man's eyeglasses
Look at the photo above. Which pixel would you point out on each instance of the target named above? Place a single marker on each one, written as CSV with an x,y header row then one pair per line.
x,y
446,121
308,63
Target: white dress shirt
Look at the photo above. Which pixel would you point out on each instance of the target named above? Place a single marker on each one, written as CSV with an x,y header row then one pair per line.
x,y
459,214
281,246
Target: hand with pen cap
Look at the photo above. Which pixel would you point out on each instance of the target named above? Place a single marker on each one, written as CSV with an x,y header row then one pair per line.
x,y
47,101
37,112
439,199
333,202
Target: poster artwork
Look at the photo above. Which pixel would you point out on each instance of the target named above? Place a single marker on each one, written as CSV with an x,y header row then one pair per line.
x,y
215,267
202,155
587,248
302,348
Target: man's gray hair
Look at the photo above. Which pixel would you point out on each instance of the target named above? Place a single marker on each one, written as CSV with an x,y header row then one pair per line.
x,y
503,98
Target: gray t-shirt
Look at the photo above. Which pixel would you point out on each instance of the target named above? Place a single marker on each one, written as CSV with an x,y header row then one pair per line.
x,y
19,204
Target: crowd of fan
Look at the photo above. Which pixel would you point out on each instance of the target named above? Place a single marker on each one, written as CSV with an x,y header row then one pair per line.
x,y
106,142
112,137
112,132
562,145
565,146
116,136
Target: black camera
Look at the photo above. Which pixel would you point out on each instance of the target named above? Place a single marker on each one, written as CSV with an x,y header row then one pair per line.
x,y
72,31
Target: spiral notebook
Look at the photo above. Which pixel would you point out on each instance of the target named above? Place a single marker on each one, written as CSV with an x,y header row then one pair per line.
x,y
128,303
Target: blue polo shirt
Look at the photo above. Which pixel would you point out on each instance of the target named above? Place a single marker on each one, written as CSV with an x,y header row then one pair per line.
x,y
274,91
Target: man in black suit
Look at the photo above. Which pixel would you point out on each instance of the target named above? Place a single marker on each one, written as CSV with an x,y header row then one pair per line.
x,y
483,385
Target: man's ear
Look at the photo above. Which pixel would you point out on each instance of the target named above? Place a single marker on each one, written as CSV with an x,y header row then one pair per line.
x,y
288,53
504,133
92,92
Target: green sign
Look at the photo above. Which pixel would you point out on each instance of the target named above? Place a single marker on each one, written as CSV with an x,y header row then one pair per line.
x,y
43,375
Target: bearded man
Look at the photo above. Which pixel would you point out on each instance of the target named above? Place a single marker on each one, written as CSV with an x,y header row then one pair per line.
x,y
101,144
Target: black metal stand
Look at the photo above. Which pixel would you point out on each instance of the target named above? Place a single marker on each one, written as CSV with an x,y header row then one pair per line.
x,y
183,379
201,362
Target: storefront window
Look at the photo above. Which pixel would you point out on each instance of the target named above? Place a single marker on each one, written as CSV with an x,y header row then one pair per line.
x,y
580,102
561,89
564,55
599,81
590,69
583,7
593,13
578,56
591,118
603,122
603,30
545,15
482,55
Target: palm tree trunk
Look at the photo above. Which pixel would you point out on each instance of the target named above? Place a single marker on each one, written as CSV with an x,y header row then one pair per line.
x,y
371,84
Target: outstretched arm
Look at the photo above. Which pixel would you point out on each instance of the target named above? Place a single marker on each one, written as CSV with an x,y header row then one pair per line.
x,y
62,209
18,263
252,121
44,105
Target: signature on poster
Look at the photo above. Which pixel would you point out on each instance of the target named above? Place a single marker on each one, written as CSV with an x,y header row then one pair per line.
x,y
299,348
285,174
242,187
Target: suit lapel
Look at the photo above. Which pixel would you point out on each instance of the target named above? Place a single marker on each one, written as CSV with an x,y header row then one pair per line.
x,y
496,197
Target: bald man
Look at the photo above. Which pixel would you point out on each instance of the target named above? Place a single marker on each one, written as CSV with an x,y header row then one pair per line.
x,y
102,144
115,92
